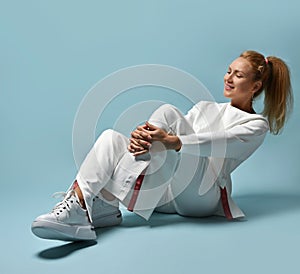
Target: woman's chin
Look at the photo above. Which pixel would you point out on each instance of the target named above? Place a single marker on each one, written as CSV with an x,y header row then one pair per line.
x,y
227,94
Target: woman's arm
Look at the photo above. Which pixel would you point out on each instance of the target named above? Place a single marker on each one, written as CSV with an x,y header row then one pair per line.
x,y
234,143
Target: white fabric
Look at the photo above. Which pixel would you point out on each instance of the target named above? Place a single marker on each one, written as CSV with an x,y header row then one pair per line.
x,y
216,138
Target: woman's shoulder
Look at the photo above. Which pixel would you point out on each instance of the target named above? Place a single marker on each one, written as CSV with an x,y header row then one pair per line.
x,y
210,104
226,109
240,117
210,108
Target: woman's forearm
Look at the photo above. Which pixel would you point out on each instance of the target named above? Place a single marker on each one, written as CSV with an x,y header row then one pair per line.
x,y
172,142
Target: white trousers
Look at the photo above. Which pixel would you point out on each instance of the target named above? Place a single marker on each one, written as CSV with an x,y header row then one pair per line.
x,y
171,179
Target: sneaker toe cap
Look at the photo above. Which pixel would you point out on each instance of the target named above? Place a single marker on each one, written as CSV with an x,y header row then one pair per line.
x,y
45,217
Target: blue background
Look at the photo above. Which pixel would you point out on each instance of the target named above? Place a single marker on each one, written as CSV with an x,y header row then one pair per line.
x,y
53,52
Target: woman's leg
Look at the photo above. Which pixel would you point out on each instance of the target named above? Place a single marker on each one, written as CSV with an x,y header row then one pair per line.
x,y
173,170
171,120
70,219
186,200
99,165
119,173
110,163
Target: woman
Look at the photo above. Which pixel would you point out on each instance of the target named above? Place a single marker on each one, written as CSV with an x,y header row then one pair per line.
x,y
175,163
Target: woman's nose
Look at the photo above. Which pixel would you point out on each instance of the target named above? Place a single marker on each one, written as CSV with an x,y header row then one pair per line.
x,y
228,77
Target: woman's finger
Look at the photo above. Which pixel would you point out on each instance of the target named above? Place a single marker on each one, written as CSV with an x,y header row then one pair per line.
x,y
130,149
135,148
150,126
140,143
143,135
140,152
137,134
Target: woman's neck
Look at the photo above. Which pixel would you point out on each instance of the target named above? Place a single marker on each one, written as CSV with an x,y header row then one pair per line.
x,y
244,106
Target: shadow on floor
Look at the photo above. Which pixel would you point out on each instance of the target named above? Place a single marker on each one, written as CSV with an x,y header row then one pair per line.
x,y
161,219
65,250
268,204
253,205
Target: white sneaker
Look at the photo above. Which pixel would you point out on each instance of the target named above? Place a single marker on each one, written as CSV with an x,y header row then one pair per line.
x,y
68,221
105,213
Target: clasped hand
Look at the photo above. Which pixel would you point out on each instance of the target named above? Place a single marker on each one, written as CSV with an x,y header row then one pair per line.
x,y
143,137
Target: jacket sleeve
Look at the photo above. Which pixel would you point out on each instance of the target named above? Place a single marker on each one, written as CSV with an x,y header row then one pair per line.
x,y
237,142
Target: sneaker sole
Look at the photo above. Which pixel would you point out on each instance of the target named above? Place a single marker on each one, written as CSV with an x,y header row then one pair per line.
x,y
107,220
57,231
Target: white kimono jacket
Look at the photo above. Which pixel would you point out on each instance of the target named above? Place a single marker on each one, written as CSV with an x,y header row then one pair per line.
x,y
216,139
223,138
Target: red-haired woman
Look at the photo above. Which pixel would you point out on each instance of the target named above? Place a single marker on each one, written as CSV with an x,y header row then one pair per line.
x,y
184,162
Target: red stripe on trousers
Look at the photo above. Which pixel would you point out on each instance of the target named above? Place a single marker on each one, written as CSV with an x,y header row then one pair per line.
x,y
137,187
225,204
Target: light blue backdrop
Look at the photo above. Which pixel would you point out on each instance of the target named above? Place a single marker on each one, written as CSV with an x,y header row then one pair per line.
x,y
53,52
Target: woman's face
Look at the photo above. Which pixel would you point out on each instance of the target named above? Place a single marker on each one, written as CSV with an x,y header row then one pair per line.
x,y
238,82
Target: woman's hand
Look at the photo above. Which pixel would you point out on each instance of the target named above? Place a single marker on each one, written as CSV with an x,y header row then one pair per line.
x,y
159,135
143,137
140,141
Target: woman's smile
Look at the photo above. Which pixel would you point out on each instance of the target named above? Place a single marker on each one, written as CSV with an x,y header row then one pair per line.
x,y
228,87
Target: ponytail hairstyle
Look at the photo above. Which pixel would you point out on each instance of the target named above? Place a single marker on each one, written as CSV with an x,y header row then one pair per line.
x,y
275,77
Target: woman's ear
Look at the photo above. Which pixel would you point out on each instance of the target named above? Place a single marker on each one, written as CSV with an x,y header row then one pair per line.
x,y
257,85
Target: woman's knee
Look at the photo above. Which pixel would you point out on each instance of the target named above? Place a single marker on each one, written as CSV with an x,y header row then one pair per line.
x,y
165,115
108,132
110,136
166,108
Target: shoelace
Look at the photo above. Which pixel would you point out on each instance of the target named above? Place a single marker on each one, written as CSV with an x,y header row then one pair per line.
x,y
64,204
60,194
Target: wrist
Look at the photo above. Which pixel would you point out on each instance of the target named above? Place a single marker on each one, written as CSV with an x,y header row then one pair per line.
x,y
173,142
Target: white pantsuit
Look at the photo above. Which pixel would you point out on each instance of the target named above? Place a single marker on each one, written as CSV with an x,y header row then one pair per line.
x,y
215,138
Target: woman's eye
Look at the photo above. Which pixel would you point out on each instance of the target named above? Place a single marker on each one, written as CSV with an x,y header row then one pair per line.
x,y
239,76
